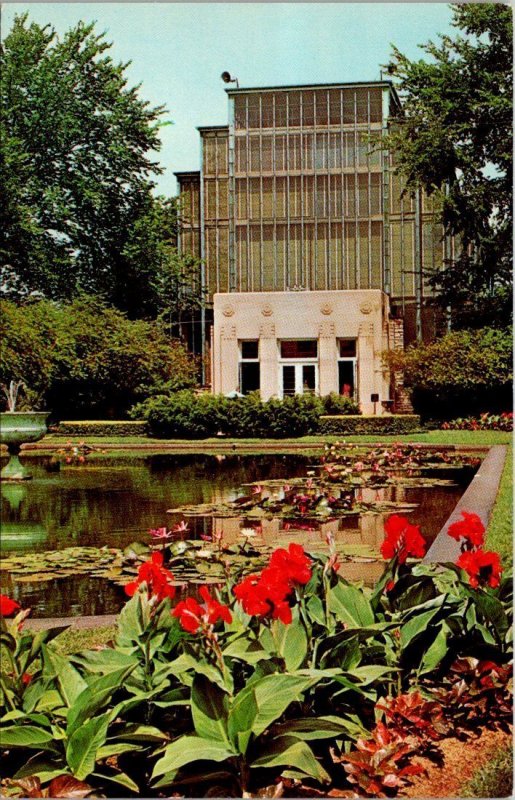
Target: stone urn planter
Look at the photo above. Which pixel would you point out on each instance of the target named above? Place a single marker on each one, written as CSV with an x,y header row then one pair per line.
x,y
17,428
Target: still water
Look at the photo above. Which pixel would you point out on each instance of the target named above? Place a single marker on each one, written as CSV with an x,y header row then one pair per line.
x,y
114,501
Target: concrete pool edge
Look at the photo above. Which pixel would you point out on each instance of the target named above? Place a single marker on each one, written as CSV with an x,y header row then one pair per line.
x,y
479,498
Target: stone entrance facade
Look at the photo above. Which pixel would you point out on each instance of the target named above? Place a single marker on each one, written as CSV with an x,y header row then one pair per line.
x,y
284,343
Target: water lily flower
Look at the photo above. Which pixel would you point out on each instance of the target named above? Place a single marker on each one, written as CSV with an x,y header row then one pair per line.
x,y
180,527
257,489
160,534
248,533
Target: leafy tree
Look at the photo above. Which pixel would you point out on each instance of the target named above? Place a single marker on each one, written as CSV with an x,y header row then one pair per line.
x,y
75,167
84,358
454,138
465,372
173,280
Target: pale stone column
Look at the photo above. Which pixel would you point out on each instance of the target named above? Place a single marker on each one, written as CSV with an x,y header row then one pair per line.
x,y
367,369
327,359
229,360
268,361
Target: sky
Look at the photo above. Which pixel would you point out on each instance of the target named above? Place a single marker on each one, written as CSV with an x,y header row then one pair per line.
x,y
179,50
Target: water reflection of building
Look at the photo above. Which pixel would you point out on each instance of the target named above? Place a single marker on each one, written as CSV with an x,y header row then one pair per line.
x,y
271,533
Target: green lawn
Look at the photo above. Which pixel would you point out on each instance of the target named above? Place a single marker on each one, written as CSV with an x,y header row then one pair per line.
x,y
429,437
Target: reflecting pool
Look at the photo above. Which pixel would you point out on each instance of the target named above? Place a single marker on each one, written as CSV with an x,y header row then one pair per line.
x,y
113,501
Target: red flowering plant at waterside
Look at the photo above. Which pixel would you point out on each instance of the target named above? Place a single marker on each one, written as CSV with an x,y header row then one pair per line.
x,y
483,567
156,578
8,606
402,540
194,616
469,531
268,594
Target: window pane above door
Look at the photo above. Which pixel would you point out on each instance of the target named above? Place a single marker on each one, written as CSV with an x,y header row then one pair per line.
x,y
299,348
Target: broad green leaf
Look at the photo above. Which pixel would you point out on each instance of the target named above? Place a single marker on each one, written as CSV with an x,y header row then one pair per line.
x,y
417,625
94,697
350,605
70,683
311,728
188,749
209,708
491,610
120,778
133,620
291,642
436,651
241,718
246,650
273,694
286,751
106,660
141,733
82,746
315,609
117,749
35,738
42,767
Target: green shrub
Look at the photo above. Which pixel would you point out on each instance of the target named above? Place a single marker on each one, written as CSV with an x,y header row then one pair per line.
x,y
102,428
87,360
338,404
464,372
354,425
184,415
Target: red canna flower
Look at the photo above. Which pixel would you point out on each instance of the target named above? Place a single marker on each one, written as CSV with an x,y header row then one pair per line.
x,y
469,528
155,576
482,566
267,594
294,562
7,606
402,539
26,678
192,615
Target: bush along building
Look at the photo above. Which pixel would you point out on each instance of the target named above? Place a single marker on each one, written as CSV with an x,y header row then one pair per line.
x,y
314,261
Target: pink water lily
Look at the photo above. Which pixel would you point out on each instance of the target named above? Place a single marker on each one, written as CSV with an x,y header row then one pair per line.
x,y
160,534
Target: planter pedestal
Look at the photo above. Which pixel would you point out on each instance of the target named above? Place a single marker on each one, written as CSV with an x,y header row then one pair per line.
x,y
17,428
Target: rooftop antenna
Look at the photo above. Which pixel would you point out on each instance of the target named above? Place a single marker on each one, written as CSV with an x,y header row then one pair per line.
x,y
226,77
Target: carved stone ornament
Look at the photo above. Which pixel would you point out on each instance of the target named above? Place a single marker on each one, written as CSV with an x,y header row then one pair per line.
x,y
366,308
326,309
228,311
267,311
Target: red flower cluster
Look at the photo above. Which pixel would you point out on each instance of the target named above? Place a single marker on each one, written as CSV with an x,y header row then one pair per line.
x,y
267,594
482,566
156,578
402,539
7,606
470,528
192,615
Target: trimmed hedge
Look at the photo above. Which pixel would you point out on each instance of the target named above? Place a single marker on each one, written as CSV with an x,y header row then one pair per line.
x,y
353,425
102,428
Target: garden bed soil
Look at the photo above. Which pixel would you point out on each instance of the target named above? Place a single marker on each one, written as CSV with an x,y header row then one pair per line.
x,y
461,761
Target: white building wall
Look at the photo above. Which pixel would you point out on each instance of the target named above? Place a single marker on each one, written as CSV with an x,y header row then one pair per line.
x,y
326,316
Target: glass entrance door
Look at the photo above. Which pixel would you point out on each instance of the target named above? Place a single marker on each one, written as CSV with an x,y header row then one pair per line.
x,y
299,379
